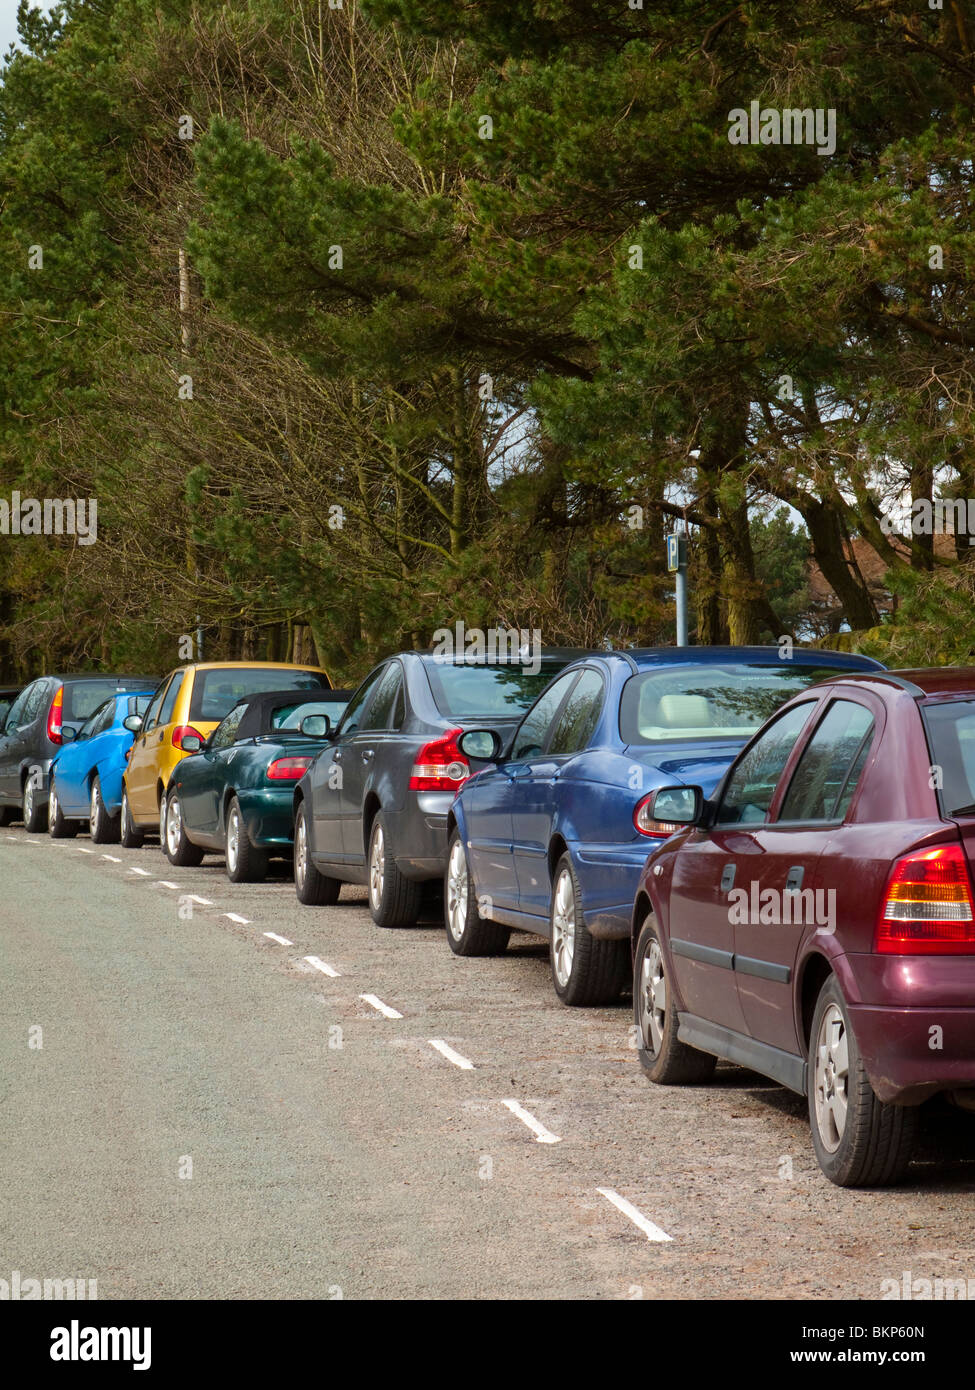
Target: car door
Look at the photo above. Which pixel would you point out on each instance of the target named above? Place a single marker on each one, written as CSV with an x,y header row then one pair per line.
x,y
490,804
140,776
712,861
361,754
327,776
9,769
783,901
537,797
92,743
204,777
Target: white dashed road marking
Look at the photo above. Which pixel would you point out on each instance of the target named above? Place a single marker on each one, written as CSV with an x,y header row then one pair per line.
x,y
143,873
380,1006
321,965
281,940
79,850
542,1135
236,917
204,902
450,1054
165,883
651,1231
111,858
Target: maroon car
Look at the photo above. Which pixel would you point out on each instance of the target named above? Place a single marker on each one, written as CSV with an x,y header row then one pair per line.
x,y
815,920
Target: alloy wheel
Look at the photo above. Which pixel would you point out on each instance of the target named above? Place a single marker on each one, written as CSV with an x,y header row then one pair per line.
x,y
94,813
301,849
563,927
457,891
377,868
233,840
653,999
832,1079
174,824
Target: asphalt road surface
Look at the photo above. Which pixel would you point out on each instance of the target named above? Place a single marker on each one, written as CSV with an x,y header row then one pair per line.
x,y
191,1108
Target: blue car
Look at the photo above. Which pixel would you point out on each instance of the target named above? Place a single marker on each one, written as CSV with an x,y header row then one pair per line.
x,y
86,775
551,839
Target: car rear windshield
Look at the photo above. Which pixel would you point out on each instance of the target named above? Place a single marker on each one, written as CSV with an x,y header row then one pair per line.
x,y
479,691
950,726
82,698
709,702
216,692
290,716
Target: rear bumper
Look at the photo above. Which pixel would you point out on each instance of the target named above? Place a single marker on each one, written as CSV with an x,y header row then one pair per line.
x,y
418,834
268,816
914,1021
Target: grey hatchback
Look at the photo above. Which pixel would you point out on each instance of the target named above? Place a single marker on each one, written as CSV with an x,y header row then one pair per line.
x,y
32,734
373,806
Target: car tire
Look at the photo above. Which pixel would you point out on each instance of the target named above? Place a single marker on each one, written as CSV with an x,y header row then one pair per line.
x,y
314,889
57,826
180,850
34,808
585,971
244,862
468,933
859,1140
130,836
394,901
664,1058
103,828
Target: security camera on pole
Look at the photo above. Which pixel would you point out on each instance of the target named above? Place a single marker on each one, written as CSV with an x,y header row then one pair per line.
x,y
677,565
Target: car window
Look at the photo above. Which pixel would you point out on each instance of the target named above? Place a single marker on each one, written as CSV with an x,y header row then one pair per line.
x,y
709,701
226,732
475,690
215,692
32,705
579,718
950,726
353,711
153,711
533,729
98,722
172,695
6,705
821,782
381,707
290,716
16,710
748,793
83,698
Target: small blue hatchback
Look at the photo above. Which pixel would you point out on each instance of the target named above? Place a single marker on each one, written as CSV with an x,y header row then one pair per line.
x,y
86,774
551,839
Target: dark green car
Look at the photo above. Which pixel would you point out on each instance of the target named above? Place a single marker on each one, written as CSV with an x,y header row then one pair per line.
x,y
234,794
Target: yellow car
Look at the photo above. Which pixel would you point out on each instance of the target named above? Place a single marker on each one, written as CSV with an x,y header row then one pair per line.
x,y
191,700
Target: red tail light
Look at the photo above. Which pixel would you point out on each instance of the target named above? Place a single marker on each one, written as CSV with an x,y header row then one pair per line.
x,y
928,907
288,769
183,731
54,717
440,766
655,829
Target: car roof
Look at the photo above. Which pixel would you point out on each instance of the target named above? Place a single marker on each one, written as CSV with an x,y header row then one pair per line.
x,y
249,666
564,654
921,681
716,656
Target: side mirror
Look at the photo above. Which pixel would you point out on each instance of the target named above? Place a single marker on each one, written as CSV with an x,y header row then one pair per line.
x,y
191,743
485,744
68,734
315,726
677,806
133,723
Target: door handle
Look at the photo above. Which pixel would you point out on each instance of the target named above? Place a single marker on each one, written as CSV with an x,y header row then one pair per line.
x,y
727,878
367,755
794,880
337,756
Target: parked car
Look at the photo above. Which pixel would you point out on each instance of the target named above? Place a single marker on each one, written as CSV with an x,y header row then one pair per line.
x,y
234,793
34,731
373,806
7,696
85,783
552,839
191,702
815,919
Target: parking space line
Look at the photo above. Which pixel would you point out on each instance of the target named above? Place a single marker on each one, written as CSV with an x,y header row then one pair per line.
x,y
111,858
236,917
143,873
542,1135
204,902
380,1006
450,1054
281,940
651,1231
79,850
165,883
321,965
